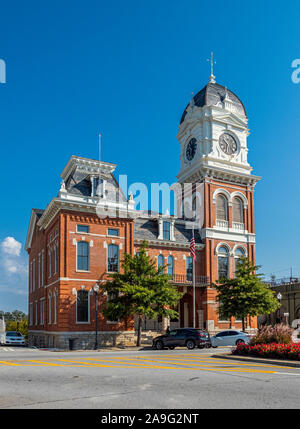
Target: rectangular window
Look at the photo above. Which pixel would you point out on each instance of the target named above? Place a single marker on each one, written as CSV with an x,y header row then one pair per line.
x,y
30,313
83,228
55,306
42,311
42,269
30,278
189,269
83,249
33,275
166,230
50,263
113,258
82,306
36,312
39,270
55,259
223,266
114,232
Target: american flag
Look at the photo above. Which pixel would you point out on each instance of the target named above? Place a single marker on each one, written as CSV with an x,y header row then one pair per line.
x,y
192,246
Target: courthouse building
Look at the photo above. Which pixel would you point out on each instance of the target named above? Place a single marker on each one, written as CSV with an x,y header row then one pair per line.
x,y
72,246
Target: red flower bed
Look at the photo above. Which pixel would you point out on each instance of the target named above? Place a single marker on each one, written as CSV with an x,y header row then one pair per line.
x,y
273,350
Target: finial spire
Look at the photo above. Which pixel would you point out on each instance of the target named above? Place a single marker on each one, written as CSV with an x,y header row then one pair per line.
x,y
212,62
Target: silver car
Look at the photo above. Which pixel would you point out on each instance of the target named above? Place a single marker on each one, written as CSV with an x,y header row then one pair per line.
x,y
229,338
13,338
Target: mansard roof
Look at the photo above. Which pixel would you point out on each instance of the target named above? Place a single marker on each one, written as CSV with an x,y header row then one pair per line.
x,y
147,229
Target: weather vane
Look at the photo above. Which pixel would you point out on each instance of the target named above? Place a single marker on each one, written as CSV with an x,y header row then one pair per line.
x,y
212,62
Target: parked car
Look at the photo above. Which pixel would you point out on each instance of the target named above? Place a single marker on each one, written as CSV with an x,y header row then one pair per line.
x,y
229,338
182,337
12,338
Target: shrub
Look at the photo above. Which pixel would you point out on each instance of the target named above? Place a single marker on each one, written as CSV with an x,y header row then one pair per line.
x,y
273,351
279,333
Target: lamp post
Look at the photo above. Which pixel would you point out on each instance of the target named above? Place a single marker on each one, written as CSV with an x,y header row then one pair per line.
x,y
96,290
279,297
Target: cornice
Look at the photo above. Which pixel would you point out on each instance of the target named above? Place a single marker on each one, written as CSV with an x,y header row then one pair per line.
x,y
85,164
163,243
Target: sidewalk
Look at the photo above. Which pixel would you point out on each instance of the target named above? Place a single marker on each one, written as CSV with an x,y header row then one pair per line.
x,y
290,363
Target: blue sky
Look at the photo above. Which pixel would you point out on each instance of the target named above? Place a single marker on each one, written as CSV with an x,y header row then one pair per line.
x,y
127,69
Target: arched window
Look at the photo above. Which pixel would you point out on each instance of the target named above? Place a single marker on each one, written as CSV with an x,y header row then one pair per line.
x,y
83,256
222,211
82,306
223,262
160,261
237,210
170,265
113,258
238,254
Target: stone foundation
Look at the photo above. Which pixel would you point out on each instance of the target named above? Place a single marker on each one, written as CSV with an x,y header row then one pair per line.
x,y
86,340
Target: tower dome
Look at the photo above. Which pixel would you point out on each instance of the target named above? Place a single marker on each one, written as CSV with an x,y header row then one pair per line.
x,y
214,94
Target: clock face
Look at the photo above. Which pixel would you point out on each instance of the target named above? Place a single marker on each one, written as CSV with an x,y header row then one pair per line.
x,y
191,149
228,144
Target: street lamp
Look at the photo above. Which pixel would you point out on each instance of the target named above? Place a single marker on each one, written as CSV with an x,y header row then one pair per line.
x,y
96,290
279,297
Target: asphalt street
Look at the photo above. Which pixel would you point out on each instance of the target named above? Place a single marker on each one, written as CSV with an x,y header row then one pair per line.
x,y
143,379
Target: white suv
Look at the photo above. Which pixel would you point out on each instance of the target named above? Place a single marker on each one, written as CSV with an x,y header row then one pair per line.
x,y
13,338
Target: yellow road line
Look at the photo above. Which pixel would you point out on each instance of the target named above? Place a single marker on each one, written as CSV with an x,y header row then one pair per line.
x,y
225,361
47,363
125,365
9,363
204,367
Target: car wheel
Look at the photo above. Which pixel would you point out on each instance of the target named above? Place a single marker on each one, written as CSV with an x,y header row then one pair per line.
x,y
190,344
159,345
172,347
240,342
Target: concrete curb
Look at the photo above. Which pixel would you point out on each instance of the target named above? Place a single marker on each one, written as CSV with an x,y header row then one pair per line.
x,y
279,362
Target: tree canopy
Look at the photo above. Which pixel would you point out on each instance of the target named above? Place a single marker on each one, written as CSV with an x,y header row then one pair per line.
x,y
246,294
140,289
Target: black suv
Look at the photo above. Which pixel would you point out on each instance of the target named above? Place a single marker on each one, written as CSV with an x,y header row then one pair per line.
x,y
188,337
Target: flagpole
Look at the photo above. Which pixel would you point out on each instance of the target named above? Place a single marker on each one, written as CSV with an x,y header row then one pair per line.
x,y
194,294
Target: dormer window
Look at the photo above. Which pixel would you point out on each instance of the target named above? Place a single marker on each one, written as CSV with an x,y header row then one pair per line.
x,y
166,230
97,187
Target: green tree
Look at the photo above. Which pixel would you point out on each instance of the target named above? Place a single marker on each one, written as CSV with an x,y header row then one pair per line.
x,y
246,294
140,290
